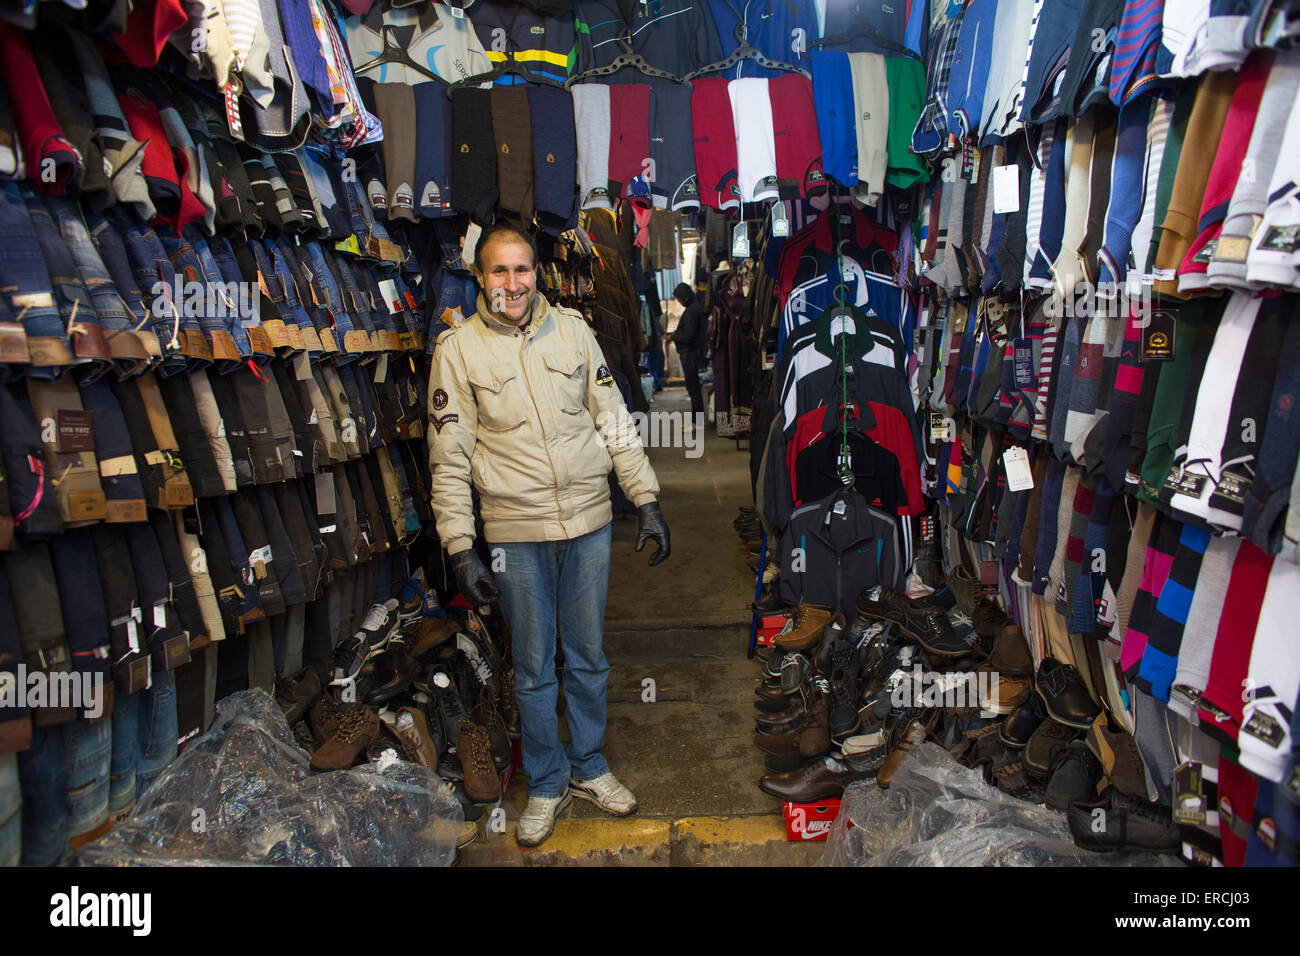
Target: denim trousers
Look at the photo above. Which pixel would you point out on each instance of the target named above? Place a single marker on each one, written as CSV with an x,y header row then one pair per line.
x,y
45,798
121,768
87,753
11,811
157,731
545,584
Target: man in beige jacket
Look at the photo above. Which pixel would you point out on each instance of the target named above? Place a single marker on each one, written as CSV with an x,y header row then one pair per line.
x,y
523,409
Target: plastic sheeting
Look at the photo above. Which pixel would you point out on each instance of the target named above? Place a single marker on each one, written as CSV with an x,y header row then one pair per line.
x,y
242,793
938,813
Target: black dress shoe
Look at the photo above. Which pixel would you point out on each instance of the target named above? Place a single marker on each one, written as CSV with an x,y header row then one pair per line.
x,y
1021,723
1065,695
1124,823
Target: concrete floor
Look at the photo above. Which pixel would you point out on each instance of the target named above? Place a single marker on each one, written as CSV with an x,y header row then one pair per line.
x,y
688,756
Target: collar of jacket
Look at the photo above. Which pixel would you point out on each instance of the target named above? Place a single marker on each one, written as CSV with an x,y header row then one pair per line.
x,y
541,311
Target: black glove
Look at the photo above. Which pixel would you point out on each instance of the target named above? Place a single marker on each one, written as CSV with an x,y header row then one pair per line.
x,y
474,580
650,525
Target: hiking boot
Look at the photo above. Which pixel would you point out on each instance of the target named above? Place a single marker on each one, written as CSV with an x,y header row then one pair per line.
x,y
1074,777
410,725
508,705
832,633
485,714
607,793
297,694
843,718
474,748
913,733
538,819
323,718
1044,745
355,731
805,628
1124,823
1065,695
1011,653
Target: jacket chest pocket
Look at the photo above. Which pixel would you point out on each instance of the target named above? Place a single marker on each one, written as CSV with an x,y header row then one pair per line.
x,y
567,373
499,393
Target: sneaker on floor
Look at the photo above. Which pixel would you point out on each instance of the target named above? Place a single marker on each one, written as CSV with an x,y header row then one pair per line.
x,y
607,793
538,819
417,599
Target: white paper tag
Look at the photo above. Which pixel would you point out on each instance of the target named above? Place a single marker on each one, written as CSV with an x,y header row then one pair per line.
x,y
314,419
159,615
221,429
1016,463
328,529
456,12
740,241
381,369
262,554
780,223
388,289
1006,189
132,636
471,241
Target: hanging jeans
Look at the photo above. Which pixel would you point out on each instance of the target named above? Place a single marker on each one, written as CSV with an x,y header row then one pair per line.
x,y
545,583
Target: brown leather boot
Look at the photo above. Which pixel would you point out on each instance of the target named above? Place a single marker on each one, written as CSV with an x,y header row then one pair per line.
x,y
474,748
913,736
1011,653
507,705
815,737
411,727
356,730
805,628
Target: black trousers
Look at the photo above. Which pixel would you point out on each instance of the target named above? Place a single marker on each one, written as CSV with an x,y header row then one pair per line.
x,y
691,361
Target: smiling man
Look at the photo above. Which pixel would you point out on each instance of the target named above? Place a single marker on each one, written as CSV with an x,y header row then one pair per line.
x,y
524,410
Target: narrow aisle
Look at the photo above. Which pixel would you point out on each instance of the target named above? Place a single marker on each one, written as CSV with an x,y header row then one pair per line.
x,y
688,754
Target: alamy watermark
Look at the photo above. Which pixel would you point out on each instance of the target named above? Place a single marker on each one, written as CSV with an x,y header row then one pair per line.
x,y
203,300
33,689
923,688
653,430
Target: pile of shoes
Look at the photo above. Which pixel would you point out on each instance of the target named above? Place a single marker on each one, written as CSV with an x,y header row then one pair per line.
x,y
432,689
750,529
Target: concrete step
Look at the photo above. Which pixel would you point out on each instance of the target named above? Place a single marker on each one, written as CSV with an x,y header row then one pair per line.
x,y
747,840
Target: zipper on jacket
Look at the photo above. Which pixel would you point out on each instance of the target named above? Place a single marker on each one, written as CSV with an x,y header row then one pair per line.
x,y
555,478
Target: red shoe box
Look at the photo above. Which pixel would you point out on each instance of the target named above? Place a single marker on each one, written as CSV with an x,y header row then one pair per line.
x,y
806,822
770,627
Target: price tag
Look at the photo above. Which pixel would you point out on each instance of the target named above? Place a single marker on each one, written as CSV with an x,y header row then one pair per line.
x,y
1016,463
1189,795
1023,359
1006,189
381,369
740,241
160,615
1158,337
472,235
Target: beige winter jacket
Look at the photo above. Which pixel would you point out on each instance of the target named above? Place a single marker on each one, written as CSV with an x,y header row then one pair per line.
x,y
533,420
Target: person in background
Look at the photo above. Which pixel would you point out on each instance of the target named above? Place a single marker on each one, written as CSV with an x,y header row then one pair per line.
x,y
689,337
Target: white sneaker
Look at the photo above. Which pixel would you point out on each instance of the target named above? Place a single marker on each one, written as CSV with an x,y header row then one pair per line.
x,y
607,793
538,819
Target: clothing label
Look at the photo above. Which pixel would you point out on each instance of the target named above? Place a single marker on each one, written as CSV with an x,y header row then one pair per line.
x,y
780,223
472,235
1281,239
177,495
259,341
940,427
160,615
302,367
1006,189
310,339
325,493
740,241
13,344
258,559
381,369
1186,483
989,574
1158,337
1023,360
76,430
1207,252
1232,487
192,524
388,289
1263,727
1189,795
1016,463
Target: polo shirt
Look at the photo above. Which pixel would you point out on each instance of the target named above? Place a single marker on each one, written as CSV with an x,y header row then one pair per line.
x,y
544,45
876,27
433,39
677,36
767,25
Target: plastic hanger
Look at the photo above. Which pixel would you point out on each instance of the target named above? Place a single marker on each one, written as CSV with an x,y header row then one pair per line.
x,y
625,59
747,52
502,69
867,31
394,52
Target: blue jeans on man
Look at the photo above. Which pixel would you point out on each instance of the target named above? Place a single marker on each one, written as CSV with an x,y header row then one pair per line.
x,y
545,584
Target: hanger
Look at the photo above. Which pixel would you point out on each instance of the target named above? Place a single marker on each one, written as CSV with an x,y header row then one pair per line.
x,y
503,68
746,52
394,52
625,59
862,30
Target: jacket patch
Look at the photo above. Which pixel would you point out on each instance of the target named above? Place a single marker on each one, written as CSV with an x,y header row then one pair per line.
x,y
444,420
604,376
439,399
